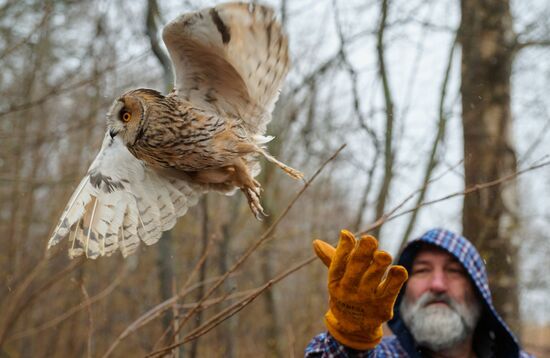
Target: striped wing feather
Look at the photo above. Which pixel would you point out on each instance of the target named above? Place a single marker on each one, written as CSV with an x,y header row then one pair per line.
x,y
119,203
231,59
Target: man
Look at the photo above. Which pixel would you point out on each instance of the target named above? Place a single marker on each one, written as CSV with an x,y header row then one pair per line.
x,y
444,310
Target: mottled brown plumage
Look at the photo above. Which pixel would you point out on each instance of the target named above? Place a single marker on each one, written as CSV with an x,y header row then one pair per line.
x,y
207,134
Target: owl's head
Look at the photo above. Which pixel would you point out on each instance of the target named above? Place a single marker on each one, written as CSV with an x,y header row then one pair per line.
x,y
129,114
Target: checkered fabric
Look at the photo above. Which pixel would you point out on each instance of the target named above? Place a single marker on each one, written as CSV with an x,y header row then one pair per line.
x,y
324,345
402,344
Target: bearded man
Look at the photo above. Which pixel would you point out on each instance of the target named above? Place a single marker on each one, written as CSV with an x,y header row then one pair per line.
x,y
444,310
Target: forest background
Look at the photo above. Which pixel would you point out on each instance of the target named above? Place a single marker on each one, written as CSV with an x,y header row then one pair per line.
x,y
442,106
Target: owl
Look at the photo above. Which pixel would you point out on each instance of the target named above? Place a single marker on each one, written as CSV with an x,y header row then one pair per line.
x,y
161,152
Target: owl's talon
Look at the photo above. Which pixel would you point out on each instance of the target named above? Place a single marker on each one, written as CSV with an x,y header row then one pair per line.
x,y
254,203
257,192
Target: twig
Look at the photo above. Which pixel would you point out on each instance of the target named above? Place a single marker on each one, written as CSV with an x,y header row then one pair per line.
x,y
432,162
389,151
90,318
533,43
269,232
237,307
57,320
232,310
213,301
202,274
18,305
160,308
535,142
38,27
59,90
393,215
291,339
197,269
362,120
389,214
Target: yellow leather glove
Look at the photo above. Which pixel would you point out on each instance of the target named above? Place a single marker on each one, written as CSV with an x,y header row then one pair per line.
x,y
360,299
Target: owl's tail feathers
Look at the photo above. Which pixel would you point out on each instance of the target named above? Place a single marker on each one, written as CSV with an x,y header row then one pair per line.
x,y
296,174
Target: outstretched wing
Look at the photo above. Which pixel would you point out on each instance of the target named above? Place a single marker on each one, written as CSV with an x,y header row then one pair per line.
x,y
119,203
231,59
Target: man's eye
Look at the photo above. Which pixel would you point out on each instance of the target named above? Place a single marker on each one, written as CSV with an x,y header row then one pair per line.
x,y
456,270
420,270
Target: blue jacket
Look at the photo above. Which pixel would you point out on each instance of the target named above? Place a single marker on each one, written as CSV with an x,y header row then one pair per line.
x,y
492,337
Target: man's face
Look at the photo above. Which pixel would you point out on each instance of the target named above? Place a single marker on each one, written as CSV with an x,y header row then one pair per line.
x,y
438,272
440,306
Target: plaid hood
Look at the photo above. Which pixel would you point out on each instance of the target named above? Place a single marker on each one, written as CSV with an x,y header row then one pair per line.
x,y
491,328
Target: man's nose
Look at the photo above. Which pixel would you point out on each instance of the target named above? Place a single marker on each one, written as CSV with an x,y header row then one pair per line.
x,y
439,282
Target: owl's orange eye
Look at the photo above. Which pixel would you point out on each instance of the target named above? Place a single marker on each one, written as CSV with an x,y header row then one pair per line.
x,y
126,116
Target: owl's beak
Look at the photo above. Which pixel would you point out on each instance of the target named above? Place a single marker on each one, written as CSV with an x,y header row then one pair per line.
x,y
113,133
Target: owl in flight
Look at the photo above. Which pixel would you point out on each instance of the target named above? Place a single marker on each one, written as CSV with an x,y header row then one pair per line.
x,y
161,152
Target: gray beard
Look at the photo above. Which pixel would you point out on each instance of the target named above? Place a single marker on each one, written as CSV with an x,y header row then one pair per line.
x,y
440,327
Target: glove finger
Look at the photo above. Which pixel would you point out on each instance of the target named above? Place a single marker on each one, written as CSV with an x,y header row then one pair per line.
x,y
324,251
371,279
340,259
390,287
359,261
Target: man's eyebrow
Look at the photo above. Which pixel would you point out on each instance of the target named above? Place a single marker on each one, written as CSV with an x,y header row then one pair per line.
x,y
455,263
421,262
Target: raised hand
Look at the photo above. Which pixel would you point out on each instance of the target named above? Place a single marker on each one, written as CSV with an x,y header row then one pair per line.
x,y
361,298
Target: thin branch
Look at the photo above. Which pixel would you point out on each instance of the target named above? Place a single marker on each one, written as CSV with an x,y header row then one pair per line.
x,y
329,63
216,300
18,304
59,89
90,319
389,154
266,236
362,120
47,12
202,274
535,142
151,26
419,52
384,217
354,79
161,307
532,43
269,232
432,161
235,308
72,311
313,75
232,310
393,214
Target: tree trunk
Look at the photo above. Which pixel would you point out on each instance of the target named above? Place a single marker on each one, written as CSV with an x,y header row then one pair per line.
x,y
228,336
389,153
273,343
202,271
488,40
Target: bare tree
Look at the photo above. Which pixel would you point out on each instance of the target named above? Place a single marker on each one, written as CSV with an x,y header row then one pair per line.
x,y
389,152
487,38
58,80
